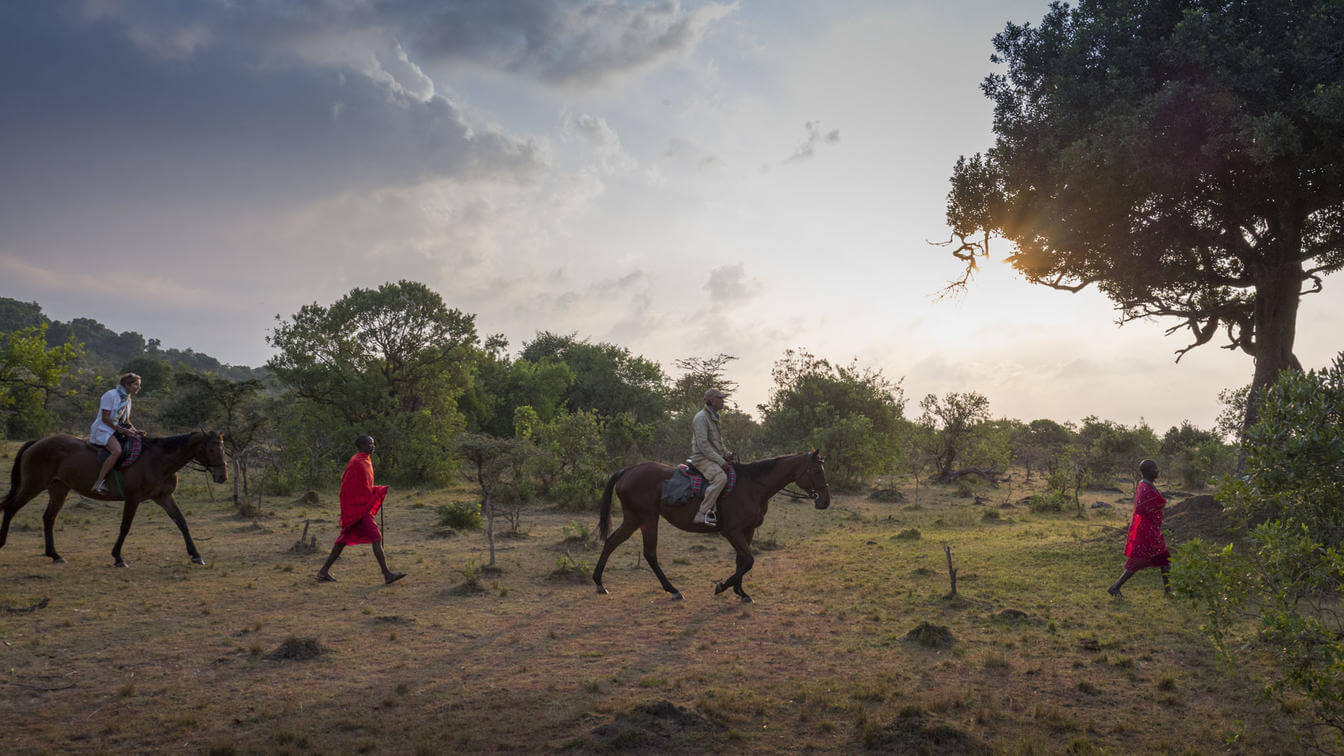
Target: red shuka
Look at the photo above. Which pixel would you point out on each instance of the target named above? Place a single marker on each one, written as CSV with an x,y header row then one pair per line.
x,y
360,501
1146,547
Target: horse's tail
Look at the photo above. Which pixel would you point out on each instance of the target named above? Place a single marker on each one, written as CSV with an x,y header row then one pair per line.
x,y
14,476
604,513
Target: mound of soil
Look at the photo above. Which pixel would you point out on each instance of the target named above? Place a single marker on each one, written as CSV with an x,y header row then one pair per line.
x,y
1011,616
467,588
911,733
297,649
931,636
309,499
886,495
570,575
1196,517
654,727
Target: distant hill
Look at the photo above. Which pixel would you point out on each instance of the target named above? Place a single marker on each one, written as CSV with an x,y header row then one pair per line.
x,y
111,351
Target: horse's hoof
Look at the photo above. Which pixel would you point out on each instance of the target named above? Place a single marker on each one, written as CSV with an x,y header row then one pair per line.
x,y
747,599
197,560
121,563
676,595
720,588
601,590
58,560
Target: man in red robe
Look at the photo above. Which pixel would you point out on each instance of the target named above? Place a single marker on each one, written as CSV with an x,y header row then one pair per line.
x,y
360,501
1146,546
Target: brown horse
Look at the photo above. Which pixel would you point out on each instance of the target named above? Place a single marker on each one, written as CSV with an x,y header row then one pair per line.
x,y
58,464
740,512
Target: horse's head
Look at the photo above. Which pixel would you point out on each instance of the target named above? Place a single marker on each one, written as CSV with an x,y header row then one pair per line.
x,y
813,480
210,455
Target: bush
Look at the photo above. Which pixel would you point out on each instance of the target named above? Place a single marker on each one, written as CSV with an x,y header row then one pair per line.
x,y
460,515
1049,501
1280,592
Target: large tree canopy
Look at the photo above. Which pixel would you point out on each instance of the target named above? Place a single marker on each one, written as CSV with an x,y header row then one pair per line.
x,y
1185,156
390,362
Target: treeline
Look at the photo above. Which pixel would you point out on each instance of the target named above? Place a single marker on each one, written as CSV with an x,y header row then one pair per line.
x,y
398,363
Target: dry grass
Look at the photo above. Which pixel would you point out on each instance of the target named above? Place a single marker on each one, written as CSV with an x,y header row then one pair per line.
x,y
167,656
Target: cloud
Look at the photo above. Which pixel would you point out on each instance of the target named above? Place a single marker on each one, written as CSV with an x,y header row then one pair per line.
x,y
595,133
729,286
574,44
808,148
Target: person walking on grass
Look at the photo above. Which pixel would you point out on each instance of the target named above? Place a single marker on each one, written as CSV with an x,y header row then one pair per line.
x,y
1146,546
360,501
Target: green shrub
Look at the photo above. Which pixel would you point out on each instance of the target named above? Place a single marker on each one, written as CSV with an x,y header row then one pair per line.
x,y
1049,501
1278,591
460,515
909,534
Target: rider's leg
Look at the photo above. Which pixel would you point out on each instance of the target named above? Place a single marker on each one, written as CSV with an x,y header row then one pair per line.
x,y
718,480
113,454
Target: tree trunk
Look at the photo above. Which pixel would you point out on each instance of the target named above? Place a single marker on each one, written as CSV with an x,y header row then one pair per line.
x,y
1277,295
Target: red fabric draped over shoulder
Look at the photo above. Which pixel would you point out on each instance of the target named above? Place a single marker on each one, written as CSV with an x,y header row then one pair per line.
x,y
1146,546
360,501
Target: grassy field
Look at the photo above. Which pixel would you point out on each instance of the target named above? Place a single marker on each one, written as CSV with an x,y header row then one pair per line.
x,y
249,654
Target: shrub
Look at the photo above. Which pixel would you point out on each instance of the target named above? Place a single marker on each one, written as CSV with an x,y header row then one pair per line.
x,y
1286,581
909,534
460,515
1049,501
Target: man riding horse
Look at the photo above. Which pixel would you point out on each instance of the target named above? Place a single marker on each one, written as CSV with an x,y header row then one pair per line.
x,y
708,455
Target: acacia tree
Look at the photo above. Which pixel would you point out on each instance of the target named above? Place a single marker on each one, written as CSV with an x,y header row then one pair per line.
x,y
390,362
952,420
702,374
1186,157
30,374
850,413
236,408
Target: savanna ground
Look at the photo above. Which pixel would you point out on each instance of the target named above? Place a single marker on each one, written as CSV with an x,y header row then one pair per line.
x,y
248,654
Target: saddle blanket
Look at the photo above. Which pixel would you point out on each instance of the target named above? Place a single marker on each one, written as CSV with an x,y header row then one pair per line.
x,y
131,446
687,484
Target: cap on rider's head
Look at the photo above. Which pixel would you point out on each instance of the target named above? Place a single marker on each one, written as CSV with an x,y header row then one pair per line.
x,y
714,394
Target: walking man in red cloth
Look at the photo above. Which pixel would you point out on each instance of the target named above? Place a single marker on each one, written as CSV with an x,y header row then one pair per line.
x,y
1146,547
360,501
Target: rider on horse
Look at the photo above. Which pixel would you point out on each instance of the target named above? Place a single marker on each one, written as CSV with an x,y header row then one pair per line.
x,y
113,420
708,456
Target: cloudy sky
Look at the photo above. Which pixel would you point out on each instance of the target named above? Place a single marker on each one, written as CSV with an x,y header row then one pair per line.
x,y
681,178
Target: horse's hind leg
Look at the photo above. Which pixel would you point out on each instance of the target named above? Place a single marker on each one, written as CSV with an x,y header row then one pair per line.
x,y
742,545
58,493
169,504
628,525
127,515
650,530
13,502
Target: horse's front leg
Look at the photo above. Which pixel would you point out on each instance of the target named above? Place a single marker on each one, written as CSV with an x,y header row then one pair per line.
x,y
58,491
127,515
169,504
741,543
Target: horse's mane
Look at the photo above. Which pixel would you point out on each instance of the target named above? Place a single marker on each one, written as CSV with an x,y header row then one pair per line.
x,y
170,443
758,470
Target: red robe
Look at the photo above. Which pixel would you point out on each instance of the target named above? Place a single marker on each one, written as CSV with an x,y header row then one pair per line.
x,y
1146,547
360,501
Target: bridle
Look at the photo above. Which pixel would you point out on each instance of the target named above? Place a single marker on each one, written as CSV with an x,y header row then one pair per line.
x,y
812,493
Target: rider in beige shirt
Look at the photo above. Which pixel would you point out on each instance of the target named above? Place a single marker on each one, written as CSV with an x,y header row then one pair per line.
x,y
708,455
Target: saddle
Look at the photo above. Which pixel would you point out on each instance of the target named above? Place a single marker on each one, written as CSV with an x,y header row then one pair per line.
x,y
687,485
131,446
